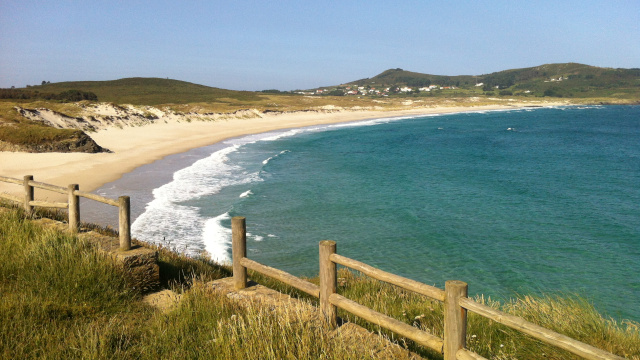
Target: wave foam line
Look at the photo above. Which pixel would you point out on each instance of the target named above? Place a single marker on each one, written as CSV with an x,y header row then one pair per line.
x,y
265,162
217,238
168,222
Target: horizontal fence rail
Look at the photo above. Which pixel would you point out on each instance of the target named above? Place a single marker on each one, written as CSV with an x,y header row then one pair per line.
x,y
97,198
72,204
10,180
41,185
536,331
49,204
412,285
285,277
410,332
454,296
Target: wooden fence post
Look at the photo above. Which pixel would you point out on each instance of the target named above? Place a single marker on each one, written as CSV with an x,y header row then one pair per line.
x,y
239,251
455,318
328,281
74,208
124,220
28,194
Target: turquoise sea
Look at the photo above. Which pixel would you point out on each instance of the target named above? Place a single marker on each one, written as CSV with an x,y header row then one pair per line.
x,y
528,201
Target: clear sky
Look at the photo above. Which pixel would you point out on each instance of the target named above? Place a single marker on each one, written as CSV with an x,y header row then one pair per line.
x,y
286,45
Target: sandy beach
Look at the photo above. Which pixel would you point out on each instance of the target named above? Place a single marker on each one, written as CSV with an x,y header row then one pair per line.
x,y
136,146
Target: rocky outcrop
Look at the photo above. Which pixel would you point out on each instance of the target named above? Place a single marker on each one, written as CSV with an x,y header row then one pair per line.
x,y
79,142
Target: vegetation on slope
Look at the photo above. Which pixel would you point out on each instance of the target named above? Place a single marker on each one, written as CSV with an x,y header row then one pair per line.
x,y
552,80
402,77
17,133
149,91
62,299
33,137
569,315
65,96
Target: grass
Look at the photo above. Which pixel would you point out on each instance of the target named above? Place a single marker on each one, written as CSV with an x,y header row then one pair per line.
x,y
35,134
63,300
148,91
17,130
56,292
60,298
568,315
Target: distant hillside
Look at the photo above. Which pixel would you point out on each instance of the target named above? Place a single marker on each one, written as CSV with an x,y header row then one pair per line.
x,y
148,91
409,78
560,80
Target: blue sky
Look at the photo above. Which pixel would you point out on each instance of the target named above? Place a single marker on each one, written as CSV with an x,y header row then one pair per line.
x,y
286,45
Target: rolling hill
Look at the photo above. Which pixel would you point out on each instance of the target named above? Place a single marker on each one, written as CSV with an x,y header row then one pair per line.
x,y
148,91
559,80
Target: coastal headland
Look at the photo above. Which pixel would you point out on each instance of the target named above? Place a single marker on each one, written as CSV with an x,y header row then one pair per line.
x,y
138,143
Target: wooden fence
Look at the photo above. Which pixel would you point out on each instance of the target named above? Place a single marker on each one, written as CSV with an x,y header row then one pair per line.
x,y
454,297
72,204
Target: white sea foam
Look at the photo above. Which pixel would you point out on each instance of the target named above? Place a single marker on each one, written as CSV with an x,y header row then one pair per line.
x,y
265,162
217,238
168,221
372,122
258,238
169,225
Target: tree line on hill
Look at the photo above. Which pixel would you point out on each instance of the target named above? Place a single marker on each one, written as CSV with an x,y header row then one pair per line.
x,y
65,96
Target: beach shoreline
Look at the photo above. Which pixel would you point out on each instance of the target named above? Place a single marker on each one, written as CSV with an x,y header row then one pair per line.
x,y
133,147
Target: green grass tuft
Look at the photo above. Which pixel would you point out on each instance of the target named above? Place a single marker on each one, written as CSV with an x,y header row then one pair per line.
x,y
35,134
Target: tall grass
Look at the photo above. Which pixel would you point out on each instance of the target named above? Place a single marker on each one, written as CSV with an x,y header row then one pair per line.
x,y
567,314
209,325
61,299
54,290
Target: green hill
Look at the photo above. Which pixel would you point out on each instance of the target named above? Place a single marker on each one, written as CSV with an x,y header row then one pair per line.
x,y
148,91
410,78
559,80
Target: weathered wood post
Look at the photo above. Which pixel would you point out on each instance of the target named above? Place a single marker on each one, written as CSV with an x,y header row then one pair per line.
x,y
239,251
328,282
28,194
74,208
124,220
455,318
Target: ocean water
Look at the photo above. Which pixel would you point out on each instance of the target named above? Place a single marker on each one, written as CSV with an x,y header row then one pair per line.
x,y
526,201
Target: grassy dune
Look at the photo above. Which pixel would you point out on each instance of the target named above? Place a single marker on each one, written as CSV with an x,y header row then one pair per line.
x,y
61,299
